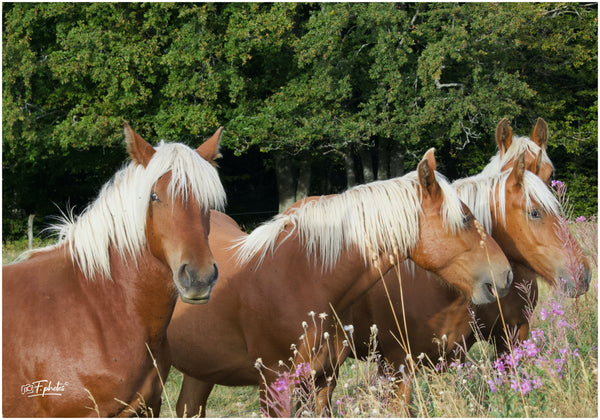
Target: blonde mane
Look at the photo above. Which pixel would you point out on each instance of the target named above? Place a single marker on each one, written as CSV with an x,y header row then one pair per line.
x,y
382,216
481,192
517,147
117,218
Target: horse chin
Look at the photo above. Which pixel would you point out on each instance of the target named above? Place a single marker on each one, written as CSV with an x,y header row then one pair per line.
x,y
197,295
194,300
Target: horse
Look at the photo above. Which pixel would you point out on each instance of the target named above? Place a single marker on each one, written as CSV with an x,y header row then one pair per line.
x,y
418,315
84,318
318,257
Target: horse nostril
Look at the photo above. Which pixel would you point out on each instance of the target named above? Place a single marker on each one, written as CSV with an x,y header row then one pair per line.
x,y
215,275
509,278
182,275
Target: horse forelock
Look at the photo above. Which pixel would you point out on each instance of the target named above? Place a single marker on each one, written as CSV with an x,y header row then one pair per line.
x,y
117,218
483,191
517,147
382,216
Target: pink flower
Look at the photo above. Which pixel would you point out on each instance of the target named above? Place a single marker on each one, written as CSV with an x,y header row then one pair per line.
x,y
580,219
556,309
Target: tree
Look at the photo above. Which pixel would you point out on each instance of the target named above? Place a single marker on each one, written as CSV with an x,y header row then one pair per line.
x,y
369,87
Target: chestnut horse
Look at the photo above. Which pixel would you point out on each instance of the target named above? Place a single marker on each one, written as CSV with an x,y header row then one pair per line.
x,y
318,257
80,318
521,214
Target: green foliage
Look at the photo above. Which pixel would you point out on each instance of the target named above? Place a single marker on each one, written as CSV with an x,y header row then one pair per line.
x,y
292,78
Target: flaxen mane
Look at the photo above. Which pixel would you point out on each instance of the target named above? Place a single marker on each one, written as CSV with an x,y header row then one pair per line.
x,y
517,147
117,218
477,191
381,216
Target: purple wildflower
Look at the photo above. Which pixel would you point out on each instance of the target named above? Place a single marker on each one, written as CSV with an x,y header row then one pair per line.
x,y
524,387
580,219
557,309
303,371
544,314
281,384
538,334
557,183
530,348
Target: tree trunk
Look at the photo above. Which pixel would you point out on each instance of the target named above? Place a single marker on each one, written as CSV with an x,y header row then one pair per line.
x,y
30,230
349,165
367,164
304,172
383,160
396,162
286,183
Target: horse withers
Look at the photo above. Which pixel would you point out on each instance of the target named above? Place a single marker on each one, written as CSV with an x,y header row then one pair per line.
x,y
319,257
82,319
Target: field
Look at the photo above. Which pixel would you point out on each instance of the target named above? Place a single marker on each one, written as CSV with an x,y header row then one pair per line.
x,y
553,374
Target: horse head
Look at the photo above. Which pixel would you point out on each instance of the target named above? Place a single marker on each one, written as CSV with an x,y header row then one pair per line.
x,y
462,254
178,210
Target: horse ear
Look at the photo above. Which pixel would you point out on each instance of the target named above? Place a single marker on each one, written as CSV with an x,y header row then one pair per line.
x,y
426,173
536,165
544,172
503,136
209,150
519,169
540,133
139,149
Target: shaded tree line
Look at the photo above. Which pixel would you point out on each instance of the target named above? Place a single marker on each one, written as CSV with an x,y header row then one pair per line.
x,y
314,96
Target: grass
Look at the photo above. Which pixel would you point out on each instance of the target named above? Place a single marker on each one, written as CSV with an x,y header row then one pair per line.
x,y
223,401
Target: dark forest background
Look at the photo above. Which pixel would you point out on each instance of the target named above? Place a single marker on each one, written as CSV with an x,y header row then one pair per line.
x,y
314,97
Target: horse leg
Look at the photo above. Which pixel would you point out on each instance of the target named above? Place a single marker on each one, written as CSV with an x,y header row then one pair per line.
x,y
193,397
324,391
523,332
401,404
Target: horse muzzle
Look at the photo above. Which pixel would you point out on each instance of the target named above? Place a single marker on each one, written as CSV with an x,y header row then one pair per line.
x,y
194,286
576,284
491,288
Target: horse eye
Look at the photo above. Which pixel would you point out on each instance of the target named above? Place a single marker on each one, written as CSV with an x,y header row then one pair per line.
x,y
535,214
154,197
466,219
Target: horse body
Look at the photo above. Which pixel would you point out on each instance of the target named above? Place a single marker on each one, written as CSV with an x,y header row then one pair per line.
x,y
81,336
80,318
315,259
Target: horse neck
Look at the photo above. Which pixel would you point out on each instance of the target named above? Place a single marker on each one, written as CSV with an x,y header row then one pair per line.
x,y
351,278
143,289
